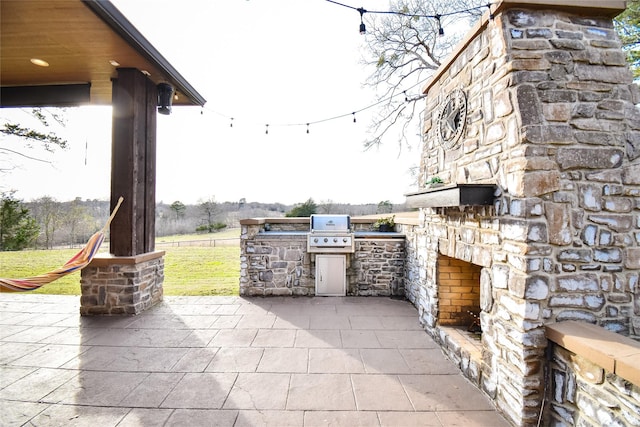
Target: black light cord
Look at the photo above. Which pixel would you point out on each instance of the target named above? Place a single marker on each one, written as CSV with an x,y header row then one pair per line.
x,y
437,17
362,11
340,116
412,15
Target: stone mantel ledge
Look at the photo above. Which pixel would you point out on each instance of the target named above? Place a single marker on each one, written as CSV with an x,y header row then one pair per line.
x,y
104,259
611,351
452,195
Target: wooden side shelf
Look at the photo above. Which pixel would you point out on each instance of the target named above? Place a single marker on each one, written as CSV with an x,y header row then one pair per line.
x,y
615,353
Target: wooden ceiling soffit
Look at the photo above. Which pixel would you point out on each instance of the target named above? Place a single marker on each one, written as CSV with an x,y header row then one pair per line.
x,y
187,95
84,42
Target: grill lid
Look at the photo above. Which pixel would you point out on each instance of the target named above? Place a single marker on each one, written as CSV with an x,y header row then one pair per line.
x,y
334,223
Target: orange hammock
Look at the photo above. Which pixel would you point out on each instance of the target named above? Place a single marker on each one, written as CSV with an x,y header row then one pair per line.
x,y
78,262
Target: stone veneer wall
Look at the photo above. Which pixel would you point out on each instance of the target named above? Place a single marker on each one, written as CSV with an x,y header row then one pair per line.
x,y
593,377
551,121
277,262
583,393
377,268
122,285
273,265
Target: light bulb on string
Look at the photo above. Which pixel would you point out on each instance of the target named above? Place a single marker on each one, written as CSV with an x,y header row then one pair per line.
x,y
363,28
308,124
440,29
491,16
362,11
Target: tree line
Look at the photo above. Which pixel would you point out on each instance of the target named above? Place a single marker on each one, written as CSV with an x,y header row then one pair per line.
x,y
46,223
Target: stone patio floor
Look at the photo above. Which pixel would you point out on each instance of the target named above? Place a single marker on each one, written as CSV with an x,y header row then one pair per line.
x,y
229,361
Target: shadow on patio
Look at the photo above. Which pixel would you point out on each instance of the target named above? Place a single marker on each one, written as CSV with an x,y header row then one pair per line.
x,y
230,361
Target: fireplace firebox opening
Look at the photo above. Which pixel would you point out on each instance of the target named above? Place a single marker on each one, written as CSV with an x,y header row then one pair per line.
x,y
458,285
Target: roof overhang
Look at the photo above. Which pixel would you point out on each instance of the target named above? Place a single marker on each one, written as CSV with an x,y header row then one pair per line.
x,y
84,42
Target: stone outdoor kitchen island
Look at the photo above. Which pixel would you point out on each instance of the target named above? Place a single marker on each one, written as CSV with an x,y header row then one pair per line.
x,y
533,126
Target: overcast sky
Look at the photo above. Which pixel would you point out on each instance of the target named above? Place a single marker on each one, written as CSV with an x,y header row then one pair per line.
x,y
280,62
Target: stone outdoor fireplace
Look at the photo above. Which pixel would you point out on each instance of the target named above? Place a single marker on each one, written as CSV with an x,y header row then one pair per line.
x,y
533,128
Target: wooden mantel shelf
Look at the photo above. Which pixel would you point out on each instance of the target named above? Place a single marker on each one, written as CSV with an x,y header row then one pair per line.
x,y
452,195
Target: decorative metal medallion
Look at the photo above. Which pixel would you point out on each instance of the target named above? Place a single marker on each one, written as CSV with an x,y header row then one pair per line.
x,y
452,119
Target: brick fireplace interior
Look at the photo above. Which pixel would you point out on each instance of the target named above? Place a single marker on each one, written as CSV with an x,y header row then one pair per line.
x,y
458,287
458,292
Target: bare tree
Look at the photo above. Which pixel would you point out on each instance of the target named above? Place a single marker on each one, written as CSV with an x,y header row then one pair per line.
x,y
49,214
210,209
405,45
77,220
327,206
17,139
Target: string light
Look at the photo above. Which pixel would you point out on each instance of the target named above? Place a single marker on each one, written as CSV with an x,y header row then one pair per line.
x,y
352,114
363,28
491,16
437,17
440,29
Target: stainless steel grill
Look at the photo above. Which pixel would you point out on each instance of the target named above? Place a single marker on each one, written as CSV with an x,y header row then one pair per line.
x,y
330,234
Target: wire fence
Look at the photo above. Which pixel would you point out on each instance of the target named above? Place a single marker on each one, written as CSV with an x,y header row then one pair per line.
x,y
235,241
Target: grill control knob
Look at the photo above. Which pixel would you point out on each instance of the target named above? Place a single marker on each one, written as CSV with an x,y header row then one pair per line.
x,y
315,240
345,240
335,240
326,240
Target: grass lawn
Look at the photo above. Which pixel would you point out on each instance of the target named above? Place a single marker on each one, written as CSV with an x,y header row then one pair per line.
x,y
188,270
193,270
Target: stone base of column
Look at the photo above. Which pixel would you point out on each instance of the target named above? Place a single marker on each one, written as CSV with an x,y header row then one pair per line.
x,y
114,285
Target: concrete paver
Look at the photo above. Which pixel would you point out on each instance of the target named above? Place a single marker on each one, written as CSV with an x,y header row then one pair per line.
x,y
284,360
259,391
229,361
321,392
234,359
335,361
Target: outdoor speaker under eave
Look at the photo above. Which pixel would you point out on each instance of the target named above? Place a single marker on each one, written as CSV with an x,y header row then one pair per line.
x,y
165,98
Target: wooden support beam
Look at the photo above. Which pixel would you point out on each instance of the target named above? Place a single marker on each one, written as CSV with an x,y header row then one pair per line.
x,y
133,163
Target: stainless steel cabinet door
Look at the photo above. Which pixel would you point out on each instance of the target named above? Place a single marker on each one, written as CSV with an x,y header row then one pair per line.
x,y
331,275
